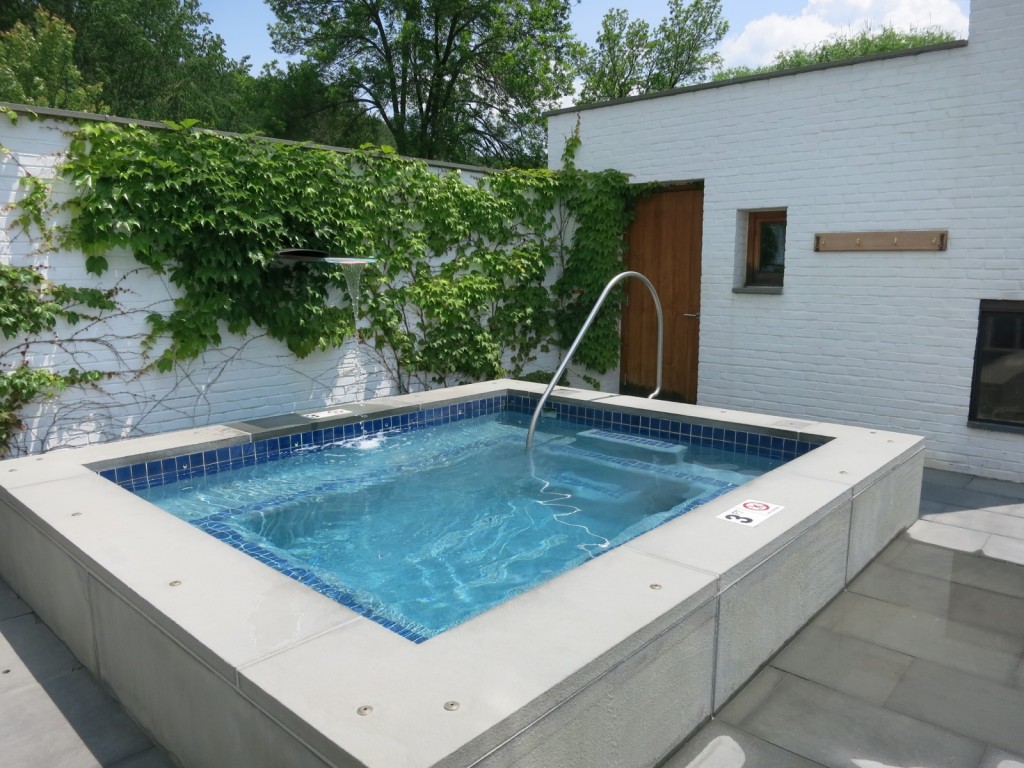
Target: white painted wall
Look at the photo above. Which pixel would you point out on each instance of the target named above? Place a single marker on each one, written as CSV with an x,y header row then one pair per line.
x,y
932,141
248,377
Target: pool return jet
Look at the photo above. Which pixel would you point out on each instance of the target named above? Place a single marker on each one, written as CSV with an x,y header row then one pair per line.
x,y
579,337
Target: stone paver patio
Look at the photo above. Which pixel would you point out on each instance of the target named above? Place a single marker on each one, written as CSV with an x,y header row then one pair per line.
x,y
920,663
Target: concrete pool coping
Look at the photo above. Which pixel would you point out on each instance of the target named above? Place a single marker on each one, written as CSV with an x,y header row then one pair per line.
x,y
226,661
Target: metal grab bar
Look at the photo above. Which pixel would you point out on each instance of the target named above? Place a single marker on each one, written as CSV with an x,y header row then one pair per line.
x,y
579,337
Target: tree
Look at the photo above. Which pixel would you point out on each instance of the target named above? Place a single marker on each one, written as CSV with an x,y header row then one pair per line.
x,y
630,58
295,103
156,59
457,80
37,66
839,47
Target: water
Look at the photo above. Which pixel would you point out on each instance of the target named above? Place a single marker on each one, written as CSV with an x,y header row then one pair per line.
x,y
424,529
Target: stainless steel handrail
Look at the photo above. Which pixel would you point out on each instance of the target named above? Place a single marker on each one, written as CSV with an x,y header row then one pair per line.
x,y
586,327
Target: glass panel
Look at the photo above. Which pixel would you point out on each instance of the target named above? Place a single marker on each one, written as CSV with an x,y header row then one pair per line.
x,y
999,382
1003,332
773,247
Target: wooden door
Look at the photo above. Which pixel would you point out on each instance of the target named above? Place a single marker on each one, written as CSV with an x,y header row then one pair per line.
x,y
664,246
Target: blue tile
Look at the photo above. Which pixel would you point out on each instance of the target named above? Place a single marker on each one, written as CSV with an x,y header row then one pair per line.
x,y
109,474
122,474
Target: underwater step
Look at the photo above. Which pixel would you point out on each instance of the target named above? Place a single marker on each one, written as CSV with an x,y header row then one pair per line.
x,y
670,472
635,441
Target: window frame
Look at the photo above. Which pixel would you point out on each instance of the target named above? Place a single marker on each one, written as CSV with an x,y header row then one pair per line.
x,y
990,307
755,275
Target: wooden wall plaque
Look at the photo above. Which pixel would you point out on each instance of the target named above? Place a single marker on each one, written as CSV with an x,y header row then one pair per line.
x,y
904,240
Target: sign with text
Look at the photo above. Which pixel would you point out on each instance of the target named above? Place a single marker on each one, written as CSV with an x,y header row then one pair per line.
x,y
751,512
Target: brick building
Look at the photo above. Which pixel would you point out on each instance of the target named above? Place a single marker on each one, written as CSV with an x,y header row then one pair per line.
x,y
857,234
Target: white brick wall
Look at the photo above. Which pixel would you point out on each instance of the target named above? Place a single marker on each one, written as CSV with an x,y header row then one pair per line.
x,y
933,141
246,378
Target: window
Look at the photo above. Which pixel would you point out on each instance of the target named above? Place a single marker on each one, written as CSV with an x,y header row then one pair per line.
x,y
997,391
766,247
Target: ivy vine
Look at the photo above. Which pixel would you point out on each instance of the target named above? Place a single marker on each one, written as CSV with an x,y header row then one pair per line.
x,y
458,289
31,305
603,205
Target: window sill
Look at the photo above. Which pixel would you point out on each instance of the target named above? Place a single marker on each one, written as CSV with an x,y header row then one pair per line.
x,y
996,427
771,290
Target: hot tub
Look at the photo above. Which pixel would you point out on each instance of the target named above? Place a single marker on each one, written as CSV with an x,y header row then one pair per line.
x,y
226,661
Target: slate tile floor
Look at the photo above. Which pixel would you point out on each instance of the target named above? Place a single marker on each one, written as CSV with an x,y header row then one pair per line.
x,y
919,664
52,712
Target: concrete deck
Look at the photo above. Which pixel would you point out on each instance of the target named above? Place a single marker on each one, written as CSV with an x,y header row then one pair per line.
x,y
919,663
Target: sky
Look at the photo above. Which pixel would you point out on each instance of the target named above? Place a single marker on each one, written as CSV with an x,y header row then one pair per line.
x,y
757,28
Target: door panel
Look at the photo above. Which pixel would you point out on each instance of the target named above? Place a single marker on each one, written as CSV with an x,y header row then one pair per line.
x,y
664,246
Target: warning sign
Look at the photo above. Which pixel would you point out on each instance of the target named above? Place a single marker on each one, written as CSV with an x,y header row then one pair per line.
x,y
751,512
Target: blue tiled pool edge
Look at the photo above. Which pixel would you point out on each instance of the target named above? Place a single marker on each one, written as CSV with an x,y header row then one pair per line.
x,y
146,474
141,475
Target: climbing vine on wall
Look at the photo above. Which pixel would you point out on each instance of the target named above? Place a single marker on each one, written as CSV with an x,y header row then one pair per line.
x,y
603,205
458,289
31,305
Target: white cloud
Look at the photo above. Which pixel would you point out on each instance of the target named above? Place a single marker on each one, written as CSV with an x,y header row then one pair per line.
x,y
761,38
